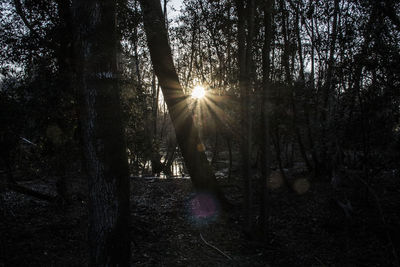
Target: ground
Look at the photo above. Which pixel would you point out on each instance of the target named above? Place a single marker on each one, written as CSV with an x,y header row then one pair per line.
x,y
308,229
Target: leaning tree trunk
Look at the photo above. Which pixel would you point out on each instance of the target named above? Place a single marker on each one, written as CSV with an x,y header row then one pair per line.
x,y
187,135
102,131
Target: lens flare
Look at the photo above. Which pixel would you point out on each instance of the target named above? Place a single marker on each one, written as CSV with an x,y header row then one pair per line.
x,y
275,180
301,186
202,208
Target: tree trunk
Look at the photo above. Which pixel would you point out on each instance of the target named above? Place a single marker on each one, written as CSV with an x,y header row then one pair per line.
x,y
187,134
285,57
228,142
155,153
102,131
289,84
327,94
245,64
265,138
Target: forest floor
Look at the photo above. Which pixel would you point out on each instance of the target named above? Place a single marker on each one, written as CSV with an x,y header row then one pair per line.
x,y
307,229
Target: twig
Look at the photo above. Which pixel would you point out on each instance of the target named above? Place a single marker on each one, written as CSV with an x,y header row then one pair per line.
x,y
27,141
214,247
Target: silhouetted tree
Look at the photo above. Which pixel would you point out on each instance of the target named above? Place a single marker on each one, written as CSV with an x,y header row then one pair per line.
x,y
187,136
103,134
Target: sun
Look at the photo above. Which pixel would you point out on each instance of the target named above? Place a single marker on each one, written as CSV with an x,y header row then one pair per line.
x,y
198,92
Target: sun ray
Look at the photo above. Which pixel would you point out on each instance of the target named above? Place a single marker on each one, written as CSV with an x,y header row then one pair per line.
x,y
221,115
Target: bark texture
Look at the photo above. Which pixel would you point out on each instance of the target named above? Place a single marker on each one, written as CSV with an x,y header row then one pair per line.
x,y
102,132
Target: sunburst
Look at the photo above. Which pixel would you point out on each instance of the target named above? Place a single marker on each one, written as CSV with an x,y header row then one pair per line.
x,y
198,92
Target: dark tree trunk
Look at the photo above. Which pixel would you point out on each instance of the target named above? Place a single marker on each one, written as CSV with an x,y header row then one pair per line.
x,y
155,154
289,82
265,138
187,134
286,44
64,54
303,150
245,65
328,94
102,131
228,143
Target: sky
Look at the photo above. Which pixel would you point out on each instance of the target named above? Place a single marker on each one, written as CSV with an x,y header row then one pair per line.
x,y
174,4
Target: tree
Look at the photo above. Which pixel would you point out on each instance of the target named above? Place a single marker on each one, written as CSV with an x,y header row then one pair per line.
x,y
245,59
264,123
187,135
102,132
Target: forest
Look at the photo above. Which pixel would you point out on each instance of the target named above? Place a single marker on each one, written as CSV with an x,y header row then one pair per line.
x,y
199,133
